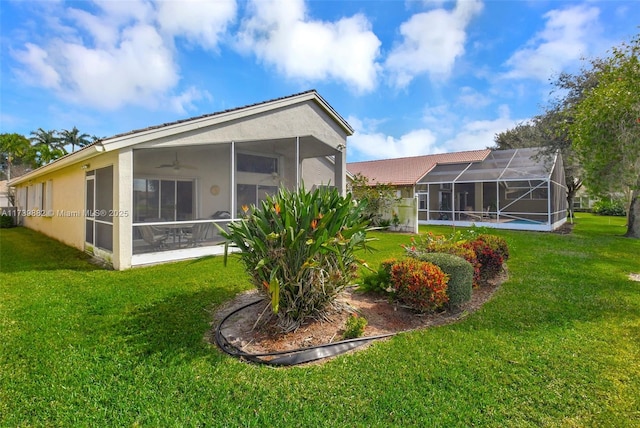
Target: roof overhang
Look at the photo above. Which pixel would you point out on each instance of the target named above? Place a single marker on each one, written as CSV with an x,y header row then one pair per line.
x,y
190,125
63,162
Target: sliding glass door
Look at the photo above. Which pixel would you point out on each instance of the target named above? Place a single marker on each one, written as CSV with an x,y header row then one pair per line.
x,y
163,200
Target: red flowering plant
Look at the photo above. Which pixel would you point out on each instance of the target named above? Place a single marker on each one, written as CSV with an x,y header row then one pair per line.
x,y
420,285
492,252
299,250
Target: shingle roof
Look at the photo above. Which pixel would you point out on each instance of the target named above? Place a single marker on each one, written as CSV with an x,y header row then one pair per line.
x,y
218,113
407,171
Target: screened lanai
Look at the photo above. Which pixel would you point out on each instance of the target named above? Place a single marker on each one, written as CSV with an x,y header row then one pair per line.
x,y
509,189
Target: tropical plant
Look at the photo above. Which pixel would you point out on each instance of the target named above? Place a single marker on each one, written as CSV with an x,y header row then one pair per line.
x,y
299,250
74,138
380,280
14,148
46,147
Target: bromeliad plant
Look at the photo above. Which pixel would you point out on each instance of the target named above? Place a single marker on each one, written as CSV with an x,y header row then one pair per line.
x,y
299,249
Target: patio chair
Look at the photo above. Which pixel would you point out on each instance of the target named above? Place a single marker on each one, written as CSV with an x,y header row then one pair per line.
x,y
153,236
197,234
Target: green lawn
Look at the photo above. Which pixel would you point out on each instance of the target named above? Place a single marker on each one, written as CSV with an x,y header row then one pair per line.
x,y
558,345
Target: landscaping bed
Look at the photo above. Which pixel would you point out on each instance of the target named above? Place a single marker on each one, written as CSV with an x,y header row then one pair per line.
x,y
254,331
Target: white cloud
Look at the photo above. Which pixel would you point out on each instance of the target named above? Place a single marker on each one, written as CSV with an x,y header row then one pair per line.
x,y
432,41
279,34
123,54
183,102
479,134
469,97
565,39
138,70
40,71
370,144
201,22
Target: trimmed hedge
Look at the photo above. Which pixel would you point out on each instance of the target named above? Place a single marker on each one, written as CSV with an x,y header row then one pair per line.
x,y
6,221
459,287
420,285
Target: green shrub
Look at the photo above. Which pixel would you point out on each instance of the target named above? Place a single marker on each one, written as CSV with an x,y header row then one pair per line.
x,y
384,223
354,327
431,243
420,285
298,248
380,281
6,221
613,207
492,252
460,276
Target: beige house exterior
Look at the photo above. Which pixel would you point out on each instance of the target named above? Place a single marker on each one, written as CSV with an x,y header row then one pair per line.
x,y
155,195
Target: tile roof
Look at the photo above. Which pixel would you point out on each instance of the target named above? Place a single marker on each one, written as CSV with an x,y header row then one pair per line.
x,y
407,171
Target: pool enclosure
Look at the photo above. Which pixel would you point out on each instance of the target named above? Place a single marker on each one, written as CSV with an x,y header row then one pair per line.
x,y
509,189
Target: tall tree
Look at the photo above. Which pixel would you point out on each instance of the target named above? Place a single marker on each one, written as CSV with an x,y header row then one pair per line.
x,y
606,128
46,147
74,138
14,149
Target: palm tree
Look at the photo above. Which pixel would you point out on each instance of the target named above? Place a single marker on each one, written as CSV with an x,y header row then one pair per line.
x,y
13,147
74,138
46,146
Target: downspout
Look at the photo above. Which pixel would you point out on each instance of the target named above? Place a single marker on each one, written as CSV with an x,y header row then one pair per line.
x,y
234,209
297,162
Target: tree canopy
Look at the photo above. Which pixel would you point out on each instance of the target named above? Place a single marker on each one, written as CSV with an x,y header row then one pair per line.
x,y
13,150
606,128
19,154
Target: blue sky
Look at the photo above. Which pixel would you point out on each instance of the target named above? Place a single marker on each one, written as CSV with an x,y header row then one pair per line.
x,y
412,78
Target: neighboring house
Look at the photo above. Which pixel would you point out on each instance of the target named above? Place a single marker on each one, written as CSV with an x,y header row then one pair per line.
x,y
508,189
404,173
4,194
152,195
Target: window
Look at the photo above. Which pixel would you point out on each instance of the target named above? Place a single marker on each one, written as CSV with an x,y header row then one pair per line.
x,y
21,198
256,163
258,176
47,197
38,198
422,201
163,200
251,194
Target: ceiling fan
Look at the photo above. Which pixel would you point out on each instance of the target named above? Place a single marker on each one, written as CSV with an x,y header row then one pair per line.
x,y
176,165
